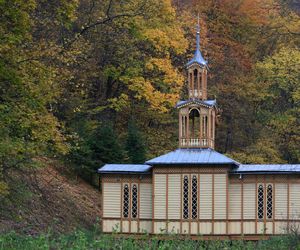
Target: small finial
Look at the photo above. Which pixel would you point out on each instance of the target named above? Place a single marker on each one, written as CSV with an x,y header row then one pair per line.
x,y
198,22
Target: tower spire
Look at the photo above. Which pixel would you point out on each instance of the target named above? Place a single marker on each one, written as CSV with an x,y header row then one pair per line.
x,y
198,58
198,33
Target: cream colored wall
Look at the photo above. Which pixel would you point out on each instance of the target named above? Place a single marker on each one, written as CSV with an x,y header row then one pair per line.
x,y
294,201
281,200
235,201
145,201
174,192
249,201
206,203
160,196
111,200
167,206
220,196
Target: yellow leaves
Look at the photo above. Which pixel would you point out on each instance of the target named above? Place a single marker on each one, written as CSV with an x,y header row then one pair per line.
x,y
167,37
163,30
171,75
144,90
119,103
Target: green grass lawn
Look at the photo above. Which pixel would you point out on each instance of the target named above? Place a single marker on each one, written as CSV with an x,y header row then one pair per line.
x,y
81,239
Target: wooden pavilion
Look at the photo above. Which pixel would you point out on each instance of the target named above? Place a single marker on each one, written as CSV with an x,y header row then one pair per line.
x,y
195,190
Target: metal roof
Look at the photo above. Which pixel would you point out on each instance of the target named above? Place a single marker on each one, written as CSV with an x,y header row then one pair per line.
x,y
207,103
198,58
267,168
124,169
192,156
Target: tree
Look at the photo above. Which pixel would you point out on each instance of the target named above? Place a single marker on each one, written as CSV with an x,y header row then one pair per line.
x,y
278,77
105,146
134,145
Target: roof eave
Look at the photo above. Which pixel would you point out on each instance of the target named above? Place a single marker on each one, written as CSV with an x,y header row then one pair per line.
x,y
264,172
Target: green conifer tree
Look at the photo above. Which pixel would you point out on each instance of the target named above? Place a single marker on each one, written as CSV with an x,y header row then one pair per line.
x,y
105,146
134,145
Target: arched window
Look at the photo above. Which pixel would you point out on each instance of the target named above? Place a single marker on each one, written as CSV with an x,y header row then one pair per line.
x,y
269,201
194,123
125,201
134,209
195,80
191,80
194,197
185,201
260,202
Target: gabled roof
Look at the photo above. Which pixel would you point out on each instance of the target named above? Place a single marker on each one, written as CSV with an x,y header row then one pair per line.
x,y
198,156
125,169
267,169
206,103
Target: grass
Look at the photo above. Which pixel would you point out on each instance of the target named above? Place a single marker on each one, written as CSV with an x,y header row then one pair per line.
x,y
82,239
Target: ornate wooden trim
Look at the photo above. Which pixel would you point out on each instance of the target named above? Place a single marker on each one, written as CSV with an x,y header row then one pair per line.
x,y
153,199
167,198
213,205
139,205
227,203
256,200
242,206
181,203
288,203
121,209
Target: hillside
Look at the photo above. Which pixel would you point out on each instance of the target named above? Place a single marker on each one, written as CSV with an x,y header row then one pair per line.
x,y
50,198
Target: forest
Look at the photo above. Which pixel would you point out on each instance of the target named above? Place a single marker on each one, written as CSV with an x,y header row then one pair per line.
x,y
85,82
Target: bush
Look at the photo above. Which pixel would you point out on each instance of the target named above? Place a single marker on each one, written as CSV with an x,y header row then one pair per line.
x,y
81,239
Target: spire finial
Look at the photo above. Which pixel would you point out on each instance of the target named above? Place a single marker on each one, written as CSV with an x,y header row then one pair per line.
x,y
198,58
198,23
198,33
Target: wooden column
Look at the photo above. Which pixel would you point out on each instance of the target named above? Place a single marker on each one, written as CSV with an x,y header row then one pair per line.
x,y
193,87
256,193
242,206
130,205
214,128
198,203
265,204
227,204
167,197
213,205
190,201
121,208
188,129
153,199
209,128
181,202
180,118
201,128
288,203
139,205
273,204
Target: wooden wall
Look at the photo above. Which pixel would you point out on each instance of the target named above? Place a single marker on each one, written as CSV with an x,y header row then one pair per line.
x,y
227,204
212,197
112,195
243,197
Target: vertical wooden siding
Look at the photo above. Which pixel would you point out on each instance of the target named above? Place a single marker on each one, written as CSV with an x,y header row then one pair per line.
x,y
174,196
112,200
205,196
145,201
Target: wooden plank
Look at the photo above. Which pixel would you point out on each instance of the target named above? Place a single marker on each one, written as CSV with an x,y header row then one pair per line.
x,y
167,198
242,206
213,204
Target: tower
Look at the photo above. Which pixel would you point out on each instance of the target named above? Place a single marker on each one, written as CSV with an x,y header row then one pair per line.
x,y
197,115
